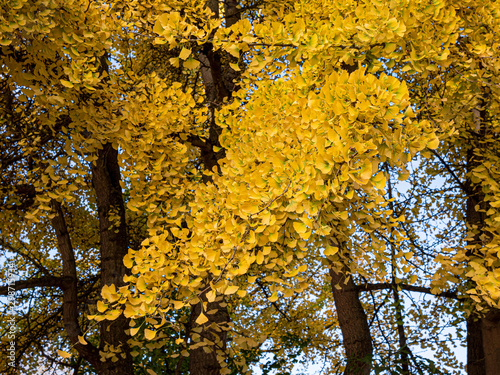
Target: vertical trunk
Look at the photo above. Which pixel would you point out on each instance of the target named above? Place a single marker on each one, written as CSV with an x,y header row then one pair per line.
x,y
353,323
491,341
212,338
403,353
475,196
475,352
218,78
483,332
113,247
70,288
483,344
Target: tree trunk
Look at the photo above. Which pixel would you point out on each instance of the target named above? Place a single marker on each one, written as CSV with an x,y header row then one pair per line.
x,y
483,332
475,352
357,340
491,341
203,359
113,248
483,344
70,288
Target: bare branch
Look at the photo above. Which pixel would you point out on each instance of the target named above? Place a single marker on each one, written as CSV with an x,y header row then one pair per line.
x,y
44,281
412,288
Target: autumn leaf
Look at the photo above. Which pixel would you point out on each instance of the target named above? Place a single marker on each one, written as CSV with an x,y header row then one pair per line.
x,y
184,53
67,84
82,341
231,290
300,227
149,334
63,354
201,319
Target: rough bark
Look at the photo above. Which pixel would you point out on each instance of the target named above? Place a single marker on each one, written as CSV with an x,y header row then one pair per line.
x,y
353,323
113,247
483,332
491,341
483,344
70,288
475,352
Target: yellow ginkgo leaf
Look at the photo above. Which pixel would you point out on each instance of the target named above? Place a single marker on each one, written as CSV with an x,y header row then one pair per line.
x,y
274,297
133,331
202,319
211,296
141,284
184,53
379,181
109,292
149,334
408,255
231,289
127,261
233,50
130,311
113,314
101,306
67,84
191,63
300,227
178,304
433,143
63,354
82,341
331,250
235,67
365,172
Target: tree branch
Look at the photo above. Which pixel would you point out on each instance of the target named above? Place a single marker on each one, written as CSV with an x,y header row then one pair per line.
x,y
412,288
462,186
44,281
276,306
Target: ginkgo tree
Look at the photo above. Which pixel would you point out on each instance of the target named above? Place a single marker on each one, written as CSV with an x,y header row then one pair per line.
x,y
72,98
403,44
54,78
61,182
220,152
252,206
